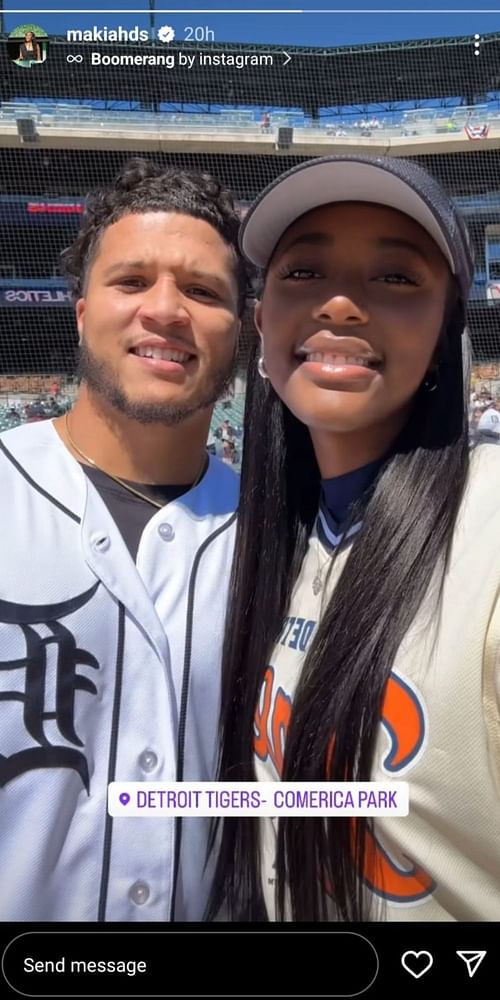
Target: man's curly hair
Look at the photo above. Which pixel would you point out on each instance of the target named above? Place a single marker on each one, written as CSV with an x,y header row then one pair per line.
x,y
143,186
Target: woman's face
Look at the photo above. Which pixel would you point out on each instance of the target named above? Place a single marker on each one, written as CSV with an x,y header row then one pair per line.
x,y
350,317
28,36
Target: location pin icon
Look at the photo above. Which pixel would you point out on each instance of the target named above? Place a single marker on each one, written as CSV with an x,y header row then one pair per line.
x,y
124,798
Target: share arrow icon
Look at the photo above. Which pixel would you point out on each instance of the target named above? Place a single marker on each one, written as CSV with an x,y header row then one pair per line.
x,y
472,960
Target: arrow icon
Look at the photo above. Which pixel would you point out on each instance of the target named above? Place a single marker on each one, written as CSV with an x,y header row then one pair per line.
x,y
472,960
288,58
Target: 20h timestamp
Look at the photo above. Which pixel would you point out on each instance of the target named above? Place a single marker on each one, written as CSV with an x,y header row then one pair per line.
x,y
198,33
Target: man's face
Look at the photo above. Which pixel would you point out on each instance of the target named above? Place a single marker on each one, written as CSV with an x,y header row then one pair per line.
x,y
350,316
158,320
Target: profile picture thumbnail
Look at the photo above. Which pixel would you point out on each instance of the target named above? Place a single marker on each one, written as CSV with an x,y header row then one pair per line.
x,y
27,45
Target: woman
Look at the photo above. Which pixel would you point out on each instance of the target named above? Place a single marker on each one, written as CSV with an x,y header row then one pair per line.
x,y
29,50
365,624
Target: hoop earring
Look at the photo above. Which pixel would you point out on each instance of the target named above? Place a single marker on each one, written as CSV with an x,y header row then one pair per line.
x,y
431,382
261,367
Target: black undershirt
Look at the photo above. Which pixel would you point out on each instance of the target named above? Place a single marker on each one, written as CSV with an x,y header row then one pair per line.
x,y
130,513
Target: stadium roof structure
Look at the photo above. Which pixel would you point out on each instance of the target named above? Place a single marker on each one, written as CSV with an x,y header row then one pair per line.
x,y
440,69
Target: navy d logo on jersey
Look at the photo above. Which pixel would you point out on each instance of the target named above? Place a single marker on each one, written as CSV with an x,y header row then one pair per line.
x,y
49,664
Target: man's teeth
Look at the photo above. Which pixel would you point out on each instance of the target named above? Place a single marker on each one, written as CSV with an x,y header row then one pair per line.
x,y
338,360
161,354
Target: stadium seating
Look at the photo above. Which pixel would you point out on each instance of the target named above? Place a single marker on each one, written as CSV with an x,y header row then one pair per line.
x,y
404,99
411,122
27,410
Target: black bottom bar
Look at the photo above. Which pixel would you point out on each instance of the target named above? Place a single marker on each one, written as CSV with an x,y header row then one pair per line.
x,y
233,960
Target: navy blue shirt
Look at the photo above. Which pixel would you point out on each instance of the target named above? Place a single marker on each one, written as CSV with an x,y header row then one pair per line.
x,y
340,493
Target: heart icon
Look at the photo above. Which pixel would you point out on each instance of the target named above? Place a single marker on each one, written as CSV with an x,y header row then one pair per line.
x,y
124,798
417,963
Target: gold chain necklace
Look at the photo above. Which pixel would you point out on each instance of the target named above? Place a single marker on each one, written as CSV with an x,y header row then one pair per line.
x,y
120,482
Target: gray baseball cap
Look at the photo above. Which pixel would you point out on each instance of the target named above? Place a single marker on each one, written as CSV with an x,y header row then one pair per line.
x,y
380,180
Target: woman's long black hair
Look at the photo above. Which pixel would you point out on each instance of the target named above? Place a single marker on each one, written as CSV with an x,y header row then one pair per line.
x,y
408,525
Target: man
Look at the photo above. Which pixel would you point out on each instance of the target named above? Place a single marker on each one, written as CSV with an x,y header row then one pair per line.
x,y
117,534
488,428
226,431
265,123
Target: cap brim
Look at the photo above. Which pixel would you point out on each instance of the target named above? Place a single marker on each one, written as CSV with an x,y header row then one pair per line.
x,y
325,182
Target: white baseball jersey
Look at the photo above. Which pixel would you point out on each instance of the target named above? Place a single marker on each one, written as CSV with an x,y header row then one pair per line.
x,y
440,727
109,671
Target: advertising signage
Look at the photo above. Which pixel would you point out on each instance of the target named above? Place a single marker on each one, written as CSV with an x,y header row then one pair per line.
x,y
30,293
19,211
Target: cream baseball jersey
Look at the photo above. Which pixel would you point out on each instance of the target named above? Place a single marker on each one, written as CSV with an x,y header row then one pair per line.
x,y
109,671
440,724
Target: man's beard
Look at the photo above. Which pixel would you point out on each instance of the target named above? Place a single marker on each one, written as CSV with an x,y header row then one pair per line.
x,y
101,379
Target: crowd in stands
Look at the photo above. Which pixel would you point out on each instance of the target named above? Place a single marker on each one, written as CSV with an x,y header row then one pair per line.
x,y
30,398
474,121
226,429
364,127
484,417
17,409
411,124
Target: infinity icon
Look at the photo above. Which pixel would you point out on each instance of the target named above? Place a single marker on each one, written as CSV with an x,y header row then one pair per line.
x,y
71,58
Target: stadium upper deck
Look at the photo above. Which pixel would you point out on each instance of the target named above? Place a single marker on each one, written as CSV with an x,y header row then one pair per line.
x,y
432,98
435,84
57,125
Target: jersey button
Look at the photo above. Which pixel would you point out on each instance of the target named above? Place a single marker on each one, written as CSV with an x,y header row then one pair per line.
x,y
166,532
100,543
148,760
139,893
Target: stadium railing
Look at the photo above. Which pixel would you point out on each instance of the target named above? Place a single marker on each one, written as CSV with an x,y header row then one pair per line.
x,y
426,122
